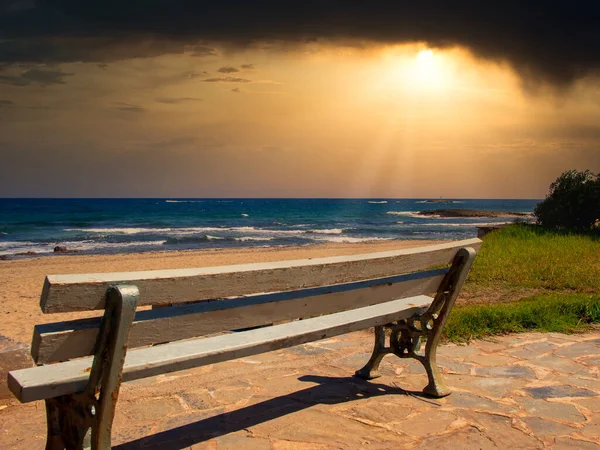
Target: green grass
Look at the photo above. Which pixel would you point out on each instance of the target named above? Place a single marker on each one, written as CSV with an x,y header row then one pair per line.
x,y
525,256
562,270
564,313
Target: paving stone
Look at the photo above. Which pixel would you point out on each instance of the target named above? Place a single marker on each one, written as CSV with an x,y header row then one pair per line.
x,y
294,445
458,351
467,400
453,366
238,441
308,350
557,363
592,429
551,410
414,368
485,386
541,427
431,422
562,338
145,410
198,400
377,410
559,391
592,341
489,346
325,428
471,438
532,350
561,443
577,350
577,380
501,431
508,371
491,360
591,361
589,403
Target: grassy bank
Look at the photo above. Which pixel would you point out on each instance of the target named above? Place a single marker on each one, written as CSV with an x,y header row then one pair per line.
x,y
563,313
527,256
563,270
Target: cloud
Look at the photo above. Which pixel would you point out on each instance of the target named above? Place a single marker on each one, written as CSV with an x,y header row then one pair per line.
x,y
201,51
4,103
121,106
172,100
227,80
227,69
554,42
41,77
236,90
173,143
193,75
247,66
102,66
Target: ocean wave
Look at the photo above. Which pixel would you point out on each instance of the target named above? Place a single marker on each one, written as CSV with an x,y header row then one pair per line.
x,y
407,213
326,231
184,201
383,202
244,215
252,238
349,239
77,246
174,240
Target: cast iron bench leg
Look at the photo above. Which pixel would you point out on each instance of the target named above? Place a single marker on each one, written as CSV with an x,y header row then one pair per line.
x,y
72,417
406,335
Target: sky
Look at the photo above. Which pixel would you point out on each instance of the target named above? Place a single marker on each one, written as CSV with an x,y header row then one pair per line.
x,y
315,99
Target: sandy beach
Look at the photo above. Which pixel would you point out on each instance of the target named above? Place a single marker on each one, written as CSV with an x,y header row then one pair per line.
x,y
22,279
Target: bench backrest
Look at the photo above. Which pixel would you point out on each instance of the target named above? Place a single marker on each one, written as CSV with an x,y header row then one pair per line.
x,y
215,299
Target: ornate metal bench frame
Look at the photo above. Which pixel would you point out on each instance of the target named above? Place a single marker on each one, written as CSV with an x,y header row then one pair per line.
x,y
406,335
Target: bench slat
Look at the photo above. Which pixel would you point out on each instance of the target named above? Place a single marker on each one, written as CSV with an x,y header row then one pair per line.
x,y
49,381
62,293
66,340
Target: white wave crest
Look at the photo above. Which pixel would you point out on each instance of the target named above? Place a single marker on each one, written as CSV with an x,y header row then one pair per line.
x,y
349,239
244,215
383,202
327,231
252,238
184,201
406,213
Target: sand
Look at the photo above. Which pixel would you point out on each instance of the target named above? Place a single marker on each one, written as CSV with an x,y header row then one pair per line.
x,y
21,280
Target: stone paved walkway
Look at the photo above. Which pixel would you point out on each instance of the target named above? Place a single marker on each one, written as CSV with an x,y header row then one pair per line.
x,y
522,391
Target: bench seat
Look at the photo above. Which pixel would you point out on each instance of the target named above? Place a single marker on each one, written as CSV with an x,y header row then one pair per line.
x,y
40,383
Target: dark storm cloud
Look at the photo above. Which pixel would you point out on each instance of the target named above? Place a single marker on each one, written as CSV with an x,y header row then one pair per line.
x,y
227,69
227,80
555,41
201,51
247,66
42,77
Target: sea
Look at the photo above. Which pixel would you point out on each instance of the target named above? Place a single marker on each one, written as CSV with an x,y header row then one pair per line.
x,y
34,227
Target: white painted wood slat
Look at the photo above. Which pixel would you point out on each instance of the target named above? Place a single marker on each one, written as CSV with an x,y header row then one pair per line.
x,y
63,378
66,340
62,293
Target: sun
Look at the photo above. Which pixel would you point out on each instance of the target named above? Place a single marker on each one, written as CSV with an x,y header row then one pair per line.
x,y
425,58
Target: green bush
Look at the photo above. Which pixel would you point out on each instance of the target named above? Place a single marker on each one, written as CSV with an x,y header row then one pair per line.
x,y
573,203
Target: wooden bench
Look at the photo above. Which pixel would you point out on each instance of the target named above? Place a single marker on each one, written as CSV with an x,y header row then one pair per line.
x,y
81,363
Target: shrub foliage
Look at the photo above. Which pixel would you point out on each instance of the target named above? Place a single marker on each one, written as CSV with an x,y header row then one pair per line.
x,y
573,203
